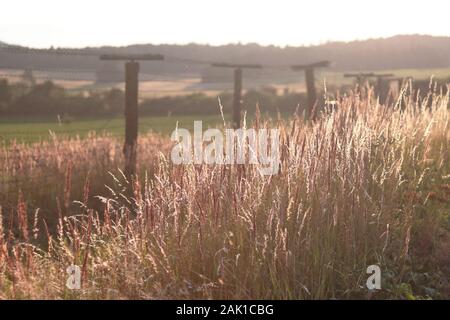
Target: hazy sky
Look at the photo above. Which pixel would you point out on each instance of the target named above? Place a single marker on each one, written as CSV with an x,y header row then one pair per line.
x,y
44,23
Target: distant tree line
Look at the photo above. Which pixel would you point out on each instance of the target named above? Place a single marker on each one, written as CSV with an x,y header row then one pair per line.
x,y
49,99
20,99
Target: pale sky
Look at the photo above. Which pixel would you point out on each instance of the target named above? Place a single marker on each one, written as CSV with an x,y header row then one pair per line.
x,y
42,23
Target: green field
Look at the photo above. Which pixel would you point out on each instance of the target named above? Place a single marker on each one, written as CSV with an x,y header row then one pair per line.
x,y
29,130
34,130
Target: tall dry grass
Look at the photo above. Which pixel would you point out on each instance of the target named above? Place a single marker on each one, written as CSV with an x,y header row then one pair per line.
x,y
365,184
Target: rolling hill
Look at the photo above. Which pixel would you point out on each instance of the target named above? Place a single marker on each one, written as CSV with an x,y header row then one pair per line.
x,y
398,52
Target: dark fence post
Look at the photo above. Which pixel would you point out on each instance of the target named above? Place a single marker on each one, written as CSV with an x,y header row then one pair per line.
x,y
380,86
310,84
310,91
237,97
131,105
237,101
131,117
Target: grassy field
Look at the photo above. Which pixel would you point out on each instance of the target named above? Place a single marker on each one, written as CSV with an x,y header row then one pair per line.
x,y
35,130
365,184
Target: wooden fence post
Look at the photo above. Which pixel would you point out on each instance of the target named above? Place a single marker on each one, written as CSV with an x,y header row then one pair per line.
x,y
380,85
131,117
131,106
237,96
237,101
311,92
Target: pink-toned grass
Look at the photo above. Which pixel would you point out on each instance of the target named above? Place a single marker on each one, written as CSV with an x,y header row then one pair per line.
x,y
365,184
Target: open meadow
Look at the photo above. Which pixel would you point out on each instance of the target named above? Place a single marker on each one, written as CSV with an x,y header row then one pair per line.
x,y
35,130
363,184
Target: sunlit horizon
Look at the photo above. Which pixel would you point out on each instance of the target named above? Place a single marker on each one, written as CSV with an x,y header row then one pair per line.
x,y
25,44
288,23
